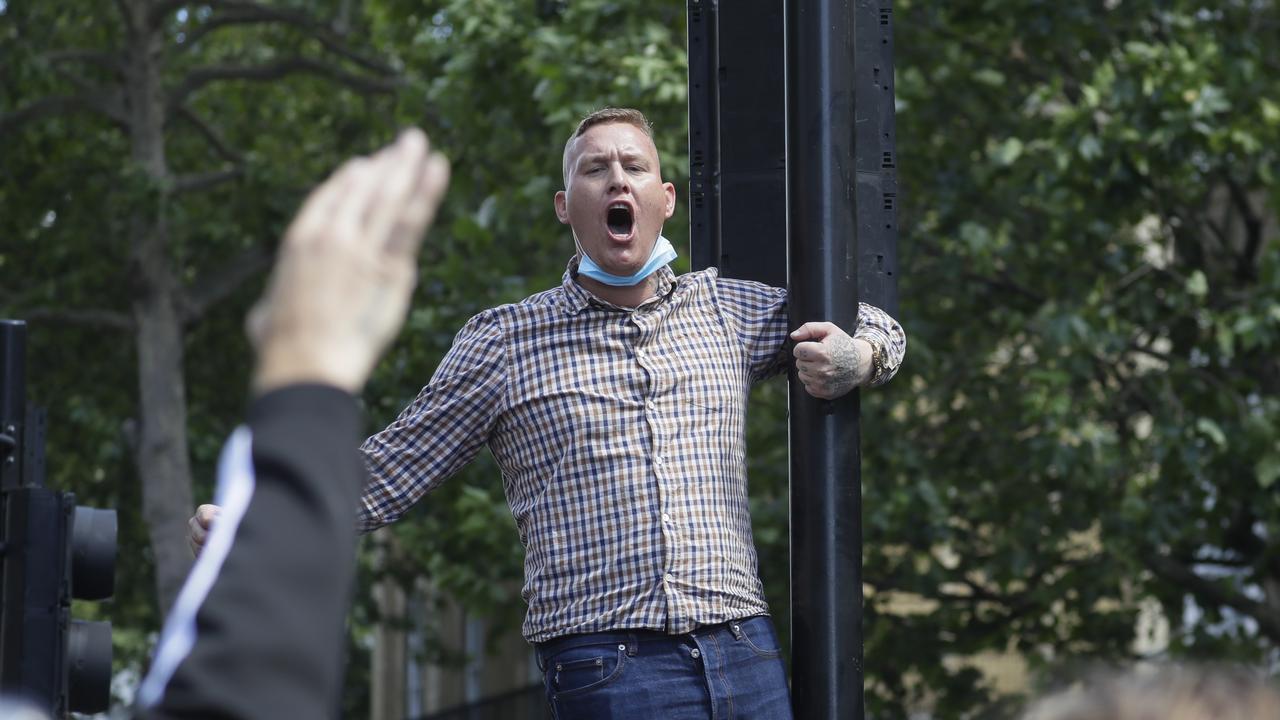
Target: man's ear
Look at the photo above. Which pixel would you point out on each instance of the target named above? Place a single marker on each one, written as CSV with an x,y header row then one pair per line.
x,y
562,206
670,190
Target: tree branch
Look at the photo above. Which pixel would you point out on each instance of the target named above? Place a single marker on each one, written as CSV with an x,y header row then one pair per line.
x,y
1224,388
1005,283
1246,266
100,58
1219,232
213,136
56,105
200,77
344,16
196,182
53,59
244,12
1178,574
98,319
217,285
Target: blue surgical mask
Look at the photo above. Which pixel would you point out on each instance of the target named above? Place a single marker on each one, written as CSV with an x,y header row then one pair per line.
x,y
662,254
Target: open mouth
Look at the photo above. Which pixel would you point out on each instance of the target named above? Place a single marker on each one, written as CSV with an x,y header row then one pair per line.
x,y
620,219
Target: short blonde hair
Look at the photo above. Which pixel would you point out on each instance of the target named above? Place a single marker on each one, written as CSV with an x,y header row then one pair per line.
x,y
1173,692
629,116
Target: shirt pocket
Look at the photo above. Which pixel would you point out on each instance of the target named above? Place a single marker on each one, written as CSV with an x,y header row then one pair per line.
x,y
705,413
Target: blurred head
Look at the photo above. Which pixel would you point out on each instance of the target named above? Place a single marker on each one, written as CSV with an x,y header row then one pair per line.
x,y
13,708
614,198
1165,693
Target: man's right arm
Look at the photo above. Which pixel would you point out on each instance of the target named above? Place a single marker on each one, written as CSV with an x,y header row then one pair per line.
x,y
442,430
434,437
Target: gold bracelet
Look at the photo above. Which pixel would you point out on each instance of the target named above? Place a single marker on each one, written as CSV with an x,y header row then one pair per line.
x,y
878,368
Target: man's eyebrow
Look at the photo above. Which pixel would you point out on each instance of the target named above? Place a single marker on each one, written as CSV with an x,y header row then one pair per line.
x,y
626,154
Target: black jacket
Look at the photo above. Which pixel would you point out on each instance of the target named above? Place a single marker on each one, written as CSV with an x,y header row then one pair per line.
x,y
269,633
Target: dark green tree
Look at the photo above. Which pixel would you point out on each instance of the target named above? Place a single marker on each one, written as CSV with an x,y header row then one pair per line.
x,y
151,152
1086,422
1087,415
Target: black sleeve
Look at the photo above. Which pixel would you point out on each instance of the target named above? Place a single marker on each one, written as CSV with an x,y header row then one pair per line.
x,y
269,635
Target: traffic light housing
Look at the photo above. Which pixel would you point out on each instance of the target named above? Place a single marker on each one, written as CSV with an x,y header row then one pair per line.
x,y
51,551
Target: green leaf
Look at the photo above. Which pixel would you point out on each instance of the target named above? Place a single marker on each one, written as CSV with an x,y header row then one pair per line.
x,y
989,77
1008,152
1090,148
1197,285
1268,470
1213,431
1270,111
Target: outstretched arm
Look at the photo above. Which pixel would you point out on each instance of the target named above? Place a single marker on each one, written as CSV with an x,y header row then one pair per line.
x,y
347,266
257,630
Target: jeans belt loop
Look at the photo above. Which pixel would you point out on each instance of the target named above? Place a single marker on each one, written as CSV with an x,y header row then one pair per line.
x,y
633,643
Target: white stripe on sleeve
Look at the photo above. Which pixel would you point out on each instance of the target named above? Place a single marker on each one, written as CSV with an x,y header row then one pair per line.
x,y
235,490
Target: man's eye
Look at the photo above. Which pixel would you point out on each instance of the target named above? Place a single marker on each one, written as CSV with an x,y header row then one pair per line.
x,y
636,168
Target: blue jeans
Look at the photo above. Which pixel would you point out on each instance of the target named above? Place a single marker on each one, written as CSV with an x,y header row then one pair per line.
x,y
730,671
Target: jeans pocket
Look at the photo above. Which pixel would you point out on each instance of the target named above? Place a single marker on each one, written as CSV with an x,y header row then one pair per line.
x,y
758,634
580,670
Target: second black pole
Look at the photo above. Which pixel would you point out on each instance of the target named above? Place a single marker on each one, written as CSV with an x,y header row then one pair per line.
x,y
826,524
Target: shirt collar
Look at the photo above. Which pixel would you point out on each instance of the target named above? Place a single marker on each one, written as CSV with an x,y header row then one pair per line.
x,y
576,298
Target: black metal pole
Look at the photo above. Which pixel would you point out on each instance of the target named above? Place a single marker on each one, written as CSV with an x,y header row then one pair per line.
x,y
13,399
704,134
826,522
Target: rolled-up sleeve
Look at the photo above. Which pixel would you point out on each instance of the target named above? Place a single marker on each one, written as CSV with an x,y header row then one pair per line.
x,y
758,314
884,333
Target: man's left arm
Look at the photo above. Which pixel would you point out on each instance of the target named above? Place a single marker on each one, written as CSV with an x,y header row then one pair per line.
x,y
830,363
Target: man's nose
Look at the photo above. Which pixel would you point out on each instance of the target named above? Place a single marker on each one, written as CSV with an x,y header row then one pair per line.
x,y
618,178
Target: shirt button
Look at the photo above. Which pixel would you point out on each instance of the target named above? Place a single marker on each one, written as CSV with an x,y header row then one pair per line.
x,y
666,518
639,352
669,577
657,459
653,405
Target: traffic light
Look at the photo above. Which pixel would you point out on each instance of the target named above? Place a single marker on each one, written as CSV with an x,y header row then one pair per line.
x,y
51,551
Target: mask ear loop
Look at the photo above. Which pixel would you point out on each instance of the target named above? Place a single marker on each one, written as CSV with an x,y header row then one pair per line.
x,y
577,245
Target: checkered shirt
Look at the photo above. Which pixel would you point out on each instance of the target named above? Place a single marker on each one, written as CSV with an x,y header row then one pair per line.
x,y
620,435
